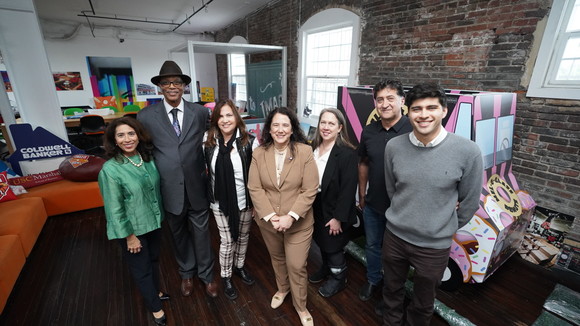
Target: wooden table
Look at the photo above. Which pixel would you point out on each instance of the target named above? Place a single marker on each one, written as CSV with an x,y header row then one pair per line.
x,y
77,121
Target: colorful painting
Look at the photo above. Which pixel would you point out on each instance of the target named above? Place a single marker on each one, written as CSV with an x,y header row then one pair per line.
x,y
146,89
103,101
68,81
6,80
112,76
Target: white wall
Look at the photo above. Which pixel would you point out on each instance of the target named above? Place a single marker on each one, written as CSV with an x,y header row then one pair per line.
x,y
147,52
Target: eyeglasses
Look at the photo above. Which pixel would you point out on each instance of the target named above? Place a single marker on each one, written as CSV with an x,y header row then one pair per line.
x,y
166,83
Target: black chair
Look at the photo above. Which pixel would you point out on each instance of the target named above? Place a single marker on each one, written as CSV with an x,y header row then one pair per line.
x,y
131,115
92,131
92,125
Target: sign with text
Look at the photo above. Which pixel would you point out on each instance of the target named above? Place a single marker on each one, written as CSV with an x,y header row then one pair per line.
x,y
37,144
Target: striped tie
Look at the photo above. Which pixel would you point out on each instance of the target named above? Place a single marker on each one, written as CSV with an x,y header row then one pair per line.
x,y
175,122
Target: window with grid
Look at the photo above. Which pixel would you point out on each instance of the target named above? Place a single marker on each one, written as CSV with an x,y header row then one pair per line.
x,y
238,76
556,72
329,44
327,67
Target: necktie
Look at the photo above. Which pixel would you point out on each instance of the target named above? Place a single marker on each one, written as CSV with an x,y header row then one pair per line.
x,y
175,122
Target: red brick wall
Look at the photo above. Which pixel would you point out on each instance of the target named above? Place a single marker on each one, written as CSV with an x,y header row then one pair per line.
x,y
479,45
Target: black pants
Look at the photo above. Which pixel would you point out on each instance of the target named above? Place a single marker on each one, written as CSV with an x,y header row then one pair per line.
x,y
144,267
192,242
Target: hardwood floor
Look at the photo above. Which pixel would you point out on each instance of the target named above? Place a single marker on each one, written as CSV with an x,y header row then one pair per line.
x,y
75,276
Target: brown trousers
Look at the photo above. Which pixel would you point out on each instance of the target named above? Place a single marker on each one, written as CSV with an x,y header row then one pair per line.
x,y
429,266
288,252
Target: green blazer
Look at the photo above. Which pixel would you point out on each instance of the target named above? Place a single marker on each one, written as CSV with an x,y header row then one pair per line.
x,y
132,197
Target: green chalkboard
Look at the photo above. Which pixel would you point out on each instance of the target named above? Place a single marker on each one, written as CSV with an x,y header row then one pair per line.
x,y
264,87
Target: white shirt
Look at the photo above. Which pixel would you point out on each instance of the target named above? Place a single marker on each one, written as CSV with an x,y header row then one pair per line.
x,y
180,108
321,165
238,172
436,141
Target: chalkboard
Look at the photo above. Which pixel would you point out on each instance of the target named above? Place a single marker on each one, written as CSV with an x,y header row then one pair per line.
x,y
264,87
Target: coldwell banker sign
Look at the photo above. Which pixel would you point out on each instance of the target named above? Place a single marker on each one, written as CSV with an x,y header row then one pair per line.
x,y
38,145
29,153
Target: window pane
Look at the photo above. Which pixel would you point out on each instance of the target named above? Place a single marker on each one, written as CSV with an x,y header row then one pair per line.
x,y
569,68
322,93
327,67
574,22
238,75
572,50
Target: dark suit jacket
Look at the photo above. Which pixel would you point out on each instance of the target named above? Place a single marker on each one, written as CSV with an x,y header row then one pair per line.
x,y
337,197
338,189
297,189
179,160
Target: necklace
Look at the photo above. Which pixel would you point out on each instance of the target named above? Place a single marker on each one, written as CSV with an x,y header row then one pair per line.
x,y
136,164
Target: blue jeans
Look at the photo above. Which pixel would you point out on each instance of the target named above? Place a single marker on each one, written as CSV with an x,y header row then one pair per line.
x,y
375,224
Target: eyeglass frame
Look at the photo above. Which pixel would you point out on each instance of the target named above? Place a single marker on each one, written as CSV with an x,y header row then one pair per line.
x,y
176,83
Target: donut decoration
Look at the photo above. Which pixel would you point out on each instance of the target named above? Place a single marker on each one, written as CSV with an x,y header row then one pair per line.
x,y
480,253
527,201
493,212
504,195
461,258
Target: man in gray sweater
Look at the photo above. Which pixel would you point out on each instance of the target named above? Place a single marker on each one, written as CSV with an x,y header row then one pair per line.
x,y
434,182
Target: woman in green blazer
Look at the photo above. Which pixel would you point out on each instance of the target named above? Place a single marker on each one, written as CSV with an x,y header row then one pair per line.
x,y
129,184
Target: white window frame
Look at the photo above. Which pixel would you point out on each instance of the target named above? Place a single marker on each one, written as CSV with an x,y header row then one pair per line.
x,y
232,75
239,40
326,20
542,82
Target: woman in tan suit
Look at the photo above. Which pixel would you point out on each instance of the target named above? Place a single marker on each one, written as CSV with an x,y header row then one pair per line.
x,y
283,183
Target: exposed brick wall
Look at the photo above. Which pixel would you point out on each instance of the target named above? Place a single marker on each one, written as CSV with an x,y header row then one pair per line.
x,y
479,45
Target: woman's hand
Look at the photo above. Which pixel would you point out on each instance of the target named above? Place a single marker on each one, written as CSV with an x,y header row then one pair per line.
x,y
133,244
286,222
275,220
334,227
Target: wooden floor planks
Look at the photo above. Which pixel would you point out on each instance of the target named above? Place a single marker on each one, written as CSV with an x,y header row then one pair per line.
x,y
75,276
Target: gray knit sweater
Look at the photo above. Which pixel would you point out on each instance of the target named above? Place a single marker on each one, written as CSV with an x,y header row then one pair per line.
x,y
426,183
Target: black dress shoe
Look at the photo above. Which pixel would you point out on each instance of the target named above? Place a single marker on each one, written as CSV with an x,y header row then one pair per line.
x,y
367,290
229,289
164,296
161,320
246,277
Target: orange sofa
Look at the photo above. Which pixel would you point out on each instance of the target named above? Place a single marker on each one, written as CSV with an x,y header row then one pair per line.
x,y
66,196
22,220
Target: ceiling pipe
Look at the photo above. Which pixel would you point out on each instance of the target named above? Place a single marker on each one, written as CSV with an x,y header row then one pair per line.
x,y
127,19
204,6
94,15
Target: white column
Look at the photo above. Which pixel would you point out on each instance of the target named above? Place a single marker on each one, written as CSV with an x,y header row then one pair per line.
x,y
26,60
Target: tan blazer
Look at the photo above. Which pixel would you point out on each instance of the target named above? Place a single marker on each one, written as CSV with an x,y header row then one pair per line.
x,y
297,189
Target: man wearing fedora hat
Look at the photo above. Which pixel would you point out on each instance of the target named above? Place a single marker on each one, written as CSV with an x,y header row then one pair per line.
x,y
176,128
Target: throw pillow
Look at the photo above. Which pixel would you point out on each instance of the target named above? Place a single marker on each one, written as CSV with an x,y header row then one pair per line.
x,y
6,193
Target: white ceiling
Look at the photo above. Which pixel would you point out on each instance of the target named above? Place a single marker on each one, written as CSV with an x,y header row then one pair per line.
x,y
216,15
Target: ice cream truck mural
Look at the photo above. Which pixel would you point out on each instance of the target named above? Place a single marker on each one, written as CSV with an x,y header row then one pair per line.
x,y
496,230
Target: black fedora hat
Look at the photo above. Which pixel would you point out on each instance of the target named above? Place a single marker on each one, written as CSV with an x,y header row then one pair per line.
x,y
170,69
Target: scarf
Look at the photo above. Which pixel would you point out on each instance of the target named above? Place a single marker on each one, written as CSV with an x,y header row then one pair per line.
x,y
225,186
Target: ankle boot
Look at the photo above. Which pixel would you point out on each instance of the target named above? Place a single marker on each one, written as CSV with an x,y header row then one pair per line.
x,y
320,275
335,283
229,289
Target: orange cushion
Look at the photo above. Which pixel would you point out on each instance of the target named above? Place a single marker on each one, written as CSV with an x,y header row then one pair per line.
x,y
11,262
66,196
23,217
